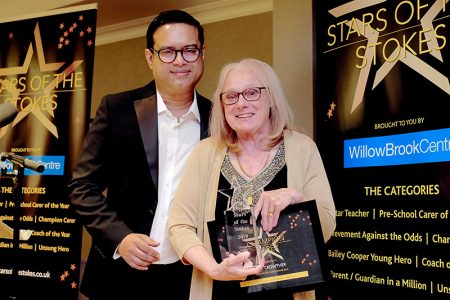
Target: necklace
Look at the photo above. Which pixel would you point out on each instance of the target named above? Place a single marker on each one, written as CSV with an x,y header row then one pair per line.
x,y
242,169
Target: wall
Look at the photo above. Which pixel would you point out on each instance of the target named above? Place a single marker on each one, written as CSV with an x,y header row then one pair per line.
x,y
293,57
234,39
283,38
120,66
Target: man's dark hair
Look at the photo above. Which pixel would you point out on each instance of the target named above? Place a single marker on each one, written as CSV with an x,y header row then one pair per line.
x,y
173,16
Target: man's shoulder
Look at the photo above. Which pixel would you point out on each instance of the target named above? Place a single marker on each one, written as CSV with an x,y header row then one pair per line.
x,y
134,94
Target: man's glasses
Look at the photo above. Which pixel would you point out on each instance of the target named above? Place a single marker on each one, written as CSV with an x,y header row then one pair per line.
x,y
168,55
250,94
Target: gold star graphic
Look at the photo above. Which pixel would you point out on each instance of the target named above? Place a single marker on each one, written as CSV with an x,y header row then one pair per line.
x,y
44,67
331,109
329,113
412,61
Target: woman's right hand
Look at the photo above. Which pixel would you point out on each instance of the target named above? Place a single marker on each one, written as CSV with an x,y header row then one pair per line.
x,y
236,267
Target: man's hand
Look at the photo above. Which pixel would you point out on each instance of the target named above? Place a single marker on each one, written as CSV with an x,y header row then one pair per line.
x,y
138,251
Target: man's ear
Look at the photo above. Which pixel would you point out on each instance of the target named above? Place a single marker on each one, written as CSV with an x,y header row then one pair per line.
x,y
149,57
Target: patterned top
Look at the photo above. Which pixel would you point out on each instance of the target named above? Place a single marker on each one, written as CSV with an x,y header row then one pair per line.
x,y
247,191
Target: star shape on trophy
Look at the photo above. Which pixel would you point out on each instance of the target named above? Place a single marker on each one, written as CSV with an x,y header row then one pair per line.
x,y
268,242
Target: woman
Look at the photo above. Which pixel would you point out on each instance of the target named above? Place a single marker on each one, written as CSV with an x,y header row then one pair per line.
x,y
268,166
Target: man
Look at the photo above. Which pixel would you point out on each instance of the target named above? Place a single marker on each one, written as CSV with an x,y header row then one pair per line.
x,y
130,164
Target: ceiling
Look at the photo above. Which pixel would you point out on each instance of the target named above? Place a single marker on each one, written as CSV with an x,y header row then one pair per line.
x,y
109,11
123,19
118,11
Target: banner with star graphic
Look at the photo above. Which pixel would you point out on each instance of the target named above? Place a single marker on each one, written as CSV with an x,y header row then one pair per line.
x,y
382,100
46,71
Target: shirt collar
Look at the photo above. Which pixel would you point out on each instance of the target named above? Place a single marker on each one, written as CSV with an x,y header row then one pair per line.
x,y
161,106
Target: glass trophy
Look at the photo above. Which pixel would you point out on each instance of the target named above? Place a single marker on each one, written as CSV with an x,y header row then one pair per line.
x,y
241,234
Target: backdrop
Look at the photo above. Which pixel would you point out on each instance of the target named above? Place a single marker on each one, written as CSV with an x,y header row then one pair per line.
x,y
382,101
46,65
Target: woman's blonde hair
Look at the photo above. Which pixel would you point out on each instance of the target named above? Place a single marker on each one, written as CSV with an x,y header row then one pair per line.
x,y
280,116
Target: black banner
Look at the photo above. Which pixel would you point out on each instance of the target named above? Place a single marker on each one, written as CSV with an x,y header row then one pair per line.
x,y
46,66
382,98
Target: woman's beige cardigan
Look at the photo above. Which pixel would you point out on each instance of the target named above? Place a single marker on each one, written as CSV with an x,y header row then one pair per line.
x,y
195,200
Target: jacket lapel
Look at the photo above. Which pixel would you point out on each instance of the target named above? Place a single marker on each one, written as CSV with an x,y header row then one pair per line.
x,y
147,116
204,108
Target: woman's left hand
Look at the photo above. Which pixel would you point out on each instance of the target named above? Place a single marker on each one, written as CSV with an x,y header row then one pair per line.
x,y
271,203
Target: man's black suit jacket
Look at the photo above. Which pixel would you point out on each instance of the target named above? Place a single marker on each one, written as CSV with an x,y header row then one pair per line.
x,y
120,155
